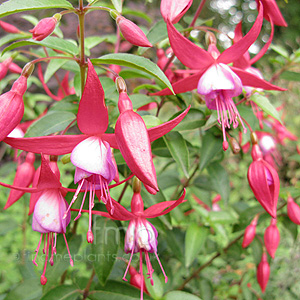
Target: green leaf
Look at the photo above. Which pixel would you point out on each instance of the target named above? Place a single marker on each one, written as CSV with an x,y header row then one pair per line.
x,y
137,13
222,217
257,250
195,118
49,42
53,66
14,6
178,295
156,290
291,76
135,62
52,122
178,149
105,247
62,292
12,37
194,241
211,146
139,100
206,289
118,5
28,290
264,103
66,105
280,50
219,180
7,225
132,73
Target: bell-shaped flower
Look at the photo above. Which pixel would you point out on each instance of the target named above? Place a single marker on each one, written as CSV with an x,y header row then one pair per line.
x,y
205,65
293,210
174,10
263,272
264,182
141,235
45,27
23,178
132,33
272,238
250,232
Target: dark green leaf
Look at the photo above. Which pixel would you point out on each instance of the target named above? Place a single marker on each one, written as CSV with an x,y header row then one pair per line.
x,y
13,6
49,42
291,227
194,240
264,103
52,122
137,13
105,247
135,62
52,67
195,118
132,73
211,146
66,105
12,37
62,292
139,100
222,217
178,149
257,250
206,289
219,179
156,290
178,295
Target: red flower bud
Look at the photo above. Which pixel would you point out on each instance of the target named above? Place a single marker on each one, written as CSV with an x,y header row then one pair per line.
x,y
9,28
132,33
263,272
272,238
249,234
293,210
44,27
136,279
264,182
4,66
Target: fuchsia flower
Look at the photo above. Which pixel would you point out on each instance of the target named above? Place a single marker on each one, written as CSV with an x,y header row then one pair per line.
x,y
141,235
48,217
91,152
11,104
210,73
9,28
272,12
293,210
250,232
23,178
132,33
174,10
263,272
45,27
264,182
272,238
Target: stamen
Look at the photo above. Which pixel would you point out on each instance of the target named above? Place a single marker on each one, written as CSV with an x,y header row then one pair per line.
x,y
52,249
71,260
162,269
89,235
43,277
55,239
37,250
81,206
149,267
142,275
128,265
44,244
74,198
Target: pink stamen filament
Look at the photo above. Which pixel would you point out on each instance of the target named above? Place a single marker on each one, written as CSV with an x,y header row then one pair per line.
x,y
142,275
81,206
47,254
162,269
128,265
55,239
71,260
52,249
149,267
90,208
44,243
37,250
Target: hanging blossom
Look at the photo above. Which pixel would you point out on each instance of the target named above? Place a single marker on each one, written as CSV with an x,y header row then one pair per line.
x,y
211,75
48,217
90,152
141,235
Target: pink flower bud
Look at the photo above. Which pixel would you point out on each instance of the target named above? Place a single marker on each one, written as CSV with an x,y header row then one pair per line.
x,y
9,28
44,27
132,33
12,107
4,66
250,232
14,68
272,238
293,210
263,272
136,279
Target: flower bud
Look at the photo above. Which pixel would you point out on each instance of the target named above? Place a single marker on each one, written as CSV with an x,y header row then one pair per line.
x,y
272,238
234,145
44,27
250,232
27,70
9,28
293,210
253,138
121,85
263,272
132,33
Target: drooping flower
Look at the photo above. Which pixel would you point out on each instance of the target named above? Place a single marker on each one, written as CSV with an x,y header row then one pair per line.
x,y
210,73
272,238
263,272
250,232
45,27
11,103
174,10
132,33
264,181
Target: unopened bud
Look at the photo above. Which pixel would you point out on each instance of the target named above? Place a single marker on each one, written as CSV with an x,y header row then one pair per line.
x,y
234,145
254,139
27,70
136,186
121,85
210,38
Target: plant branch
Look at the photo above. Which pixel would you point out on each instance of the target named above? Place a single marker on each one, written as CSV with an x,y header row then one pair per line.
x,y
88,286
